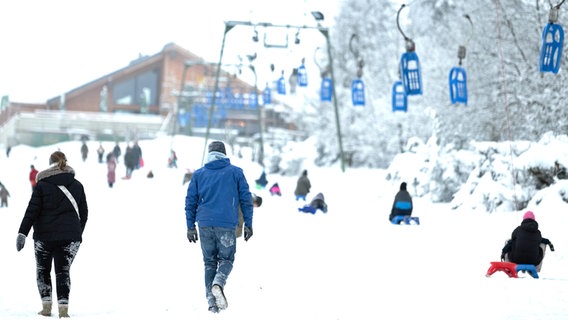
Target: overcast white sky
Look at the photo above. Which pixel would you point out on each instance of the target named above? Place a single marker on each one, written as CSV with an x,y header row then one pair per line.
x,y
51,47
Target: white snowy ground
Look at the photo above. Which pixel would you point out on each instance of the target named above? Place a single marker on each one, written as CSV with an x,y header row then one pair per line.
x,y
351,263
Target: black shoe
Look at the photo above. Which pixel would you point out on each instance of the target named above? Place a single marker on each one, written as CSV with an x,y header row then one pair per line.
x,y
214,309
221,301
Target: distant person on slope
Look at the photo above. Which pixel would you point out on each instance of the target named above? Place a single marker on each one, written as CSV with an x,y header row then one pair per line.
x,y
261,182
33,175
256,202
275,190
526,246
303,186
4,194
317,203
402,205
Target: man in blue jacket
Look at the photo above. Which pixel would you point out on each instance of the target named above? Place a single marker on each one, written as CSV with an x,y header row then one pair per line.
x,y
213,198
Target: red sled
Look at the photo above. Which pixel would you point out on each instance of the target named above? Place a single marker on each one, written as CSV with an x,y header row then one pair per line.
x,y
508,267
512,269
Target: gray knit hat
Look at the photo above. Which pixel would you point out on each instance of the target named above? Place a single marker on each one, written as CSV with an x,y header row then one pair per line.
x,y
217,146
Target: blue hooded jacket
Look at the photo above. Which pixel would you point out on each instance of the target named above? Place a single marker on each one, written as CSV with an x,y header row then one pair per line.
x,y
214,195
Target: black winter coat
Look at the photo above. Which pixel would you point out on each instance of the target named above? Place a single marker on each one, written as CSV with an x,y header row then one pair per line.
x,y
402,205
50,212
525,243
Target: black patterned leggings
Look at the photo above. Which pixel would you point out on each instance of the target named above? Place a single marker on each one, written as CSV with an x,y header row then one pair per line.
x,y
61,253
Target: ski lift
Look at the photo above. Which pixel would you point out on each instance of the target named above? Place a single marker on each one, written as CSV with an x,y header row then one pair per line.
x,y
409,64
458,85
302,75
253,100
399,98
266,95
357,85
552,42
326,87
358,92
458,78
281,85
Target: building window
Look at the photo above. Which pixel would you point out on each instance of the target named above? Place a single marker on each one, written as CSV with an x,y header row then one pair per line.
x,y
140,90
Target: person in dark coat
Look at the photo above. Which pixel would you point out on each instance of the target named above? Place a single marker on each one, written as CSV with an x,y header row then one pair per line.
x,y
116,151
317,203
130,161
302,186
4,194
402,205
137,155
84,151
214,195
261,182
526,246
58,213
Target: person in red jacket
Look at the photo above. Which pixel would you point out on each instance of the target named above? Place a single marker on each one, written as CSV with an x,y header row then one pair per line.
x,y
33,175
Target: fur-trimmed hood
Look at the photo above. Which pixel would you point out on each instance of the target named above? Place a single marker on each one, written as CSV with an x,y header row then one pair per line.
x,y
53,171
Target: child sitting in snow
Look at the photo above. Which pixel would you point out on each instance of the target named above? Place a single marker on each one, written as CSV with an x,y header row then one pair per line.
x,y
526,246
318,202
275,190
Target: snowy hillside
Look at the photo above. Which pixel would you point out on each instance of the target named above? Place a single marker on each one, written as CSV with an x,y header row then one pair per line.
x,y
351,263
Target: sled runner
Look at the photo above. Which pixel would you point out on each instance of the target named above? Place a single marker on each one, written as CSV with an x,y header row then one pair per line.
x,y
528,268
405,220
511,269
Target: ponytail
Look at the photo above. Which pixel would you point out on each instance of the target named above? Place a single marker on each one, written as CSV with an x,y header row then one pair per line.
x,y
59,159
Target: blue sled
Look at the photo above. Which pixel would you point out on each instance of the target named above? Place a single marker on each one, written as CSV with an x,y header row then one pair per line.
x,y
529,268
307,209
405,220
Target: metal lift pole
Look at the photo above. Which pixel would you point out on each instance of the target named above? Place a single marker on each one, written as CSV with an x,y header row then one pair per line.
x,y
214,98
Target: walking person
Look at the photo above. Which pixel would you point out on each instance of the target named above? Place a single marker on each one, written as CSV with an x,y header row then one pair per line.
x,y
100,152
33,175
116,151
58,212
214,195
130,161
303,186
84,151
4,194
111,169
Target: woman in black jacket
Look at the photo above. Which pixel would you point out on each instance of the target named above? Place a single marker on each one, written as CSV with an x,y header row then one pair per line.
x,y
58,212
526,246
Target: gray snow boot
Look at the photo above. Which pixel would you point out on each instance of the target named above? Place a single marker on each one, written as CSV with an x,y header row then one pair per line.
x,y
63,311
220,299
45,309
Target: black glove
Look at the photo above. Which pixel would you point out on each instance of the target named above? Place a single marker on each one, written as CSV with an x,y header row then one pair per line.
x,y
248,233
192,234
551,247
20,241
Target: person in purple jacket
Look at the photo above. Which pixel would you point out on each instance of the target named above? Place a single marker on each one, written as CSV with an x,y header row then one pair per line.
x,y
214,195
